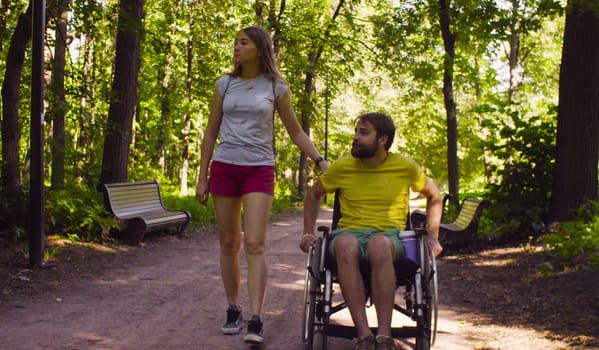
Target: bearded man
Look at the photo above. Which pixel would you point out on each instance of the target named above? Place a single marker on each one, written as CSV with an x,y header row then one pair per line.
x,y
373,188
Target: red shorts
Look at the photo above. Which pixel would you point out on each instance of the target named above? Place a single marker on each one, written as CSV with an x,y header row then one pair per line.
x,y
237,180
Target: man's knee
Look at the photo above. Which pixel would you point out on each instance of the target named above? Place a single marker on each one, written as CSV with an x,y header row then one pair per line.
x,y
380,250
346,248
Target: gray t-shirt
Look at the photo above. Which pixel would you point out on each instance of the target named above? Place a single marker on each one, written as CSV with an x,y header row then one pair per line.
x,y
246,129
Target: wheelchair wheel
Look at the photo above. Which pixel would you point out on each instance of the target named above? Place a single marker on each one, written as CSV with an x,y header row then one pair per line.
x,y
319,340
435,295
311,289
426,323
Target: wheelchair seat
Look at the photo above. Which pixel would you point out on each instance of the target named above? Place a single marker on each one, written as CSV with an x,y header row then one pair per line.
x,y
417,277
404,269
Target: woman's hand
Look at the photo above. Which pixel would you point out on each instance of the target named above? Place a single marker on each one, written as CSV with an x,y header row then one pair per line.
x,y
202,192
307,241
323,165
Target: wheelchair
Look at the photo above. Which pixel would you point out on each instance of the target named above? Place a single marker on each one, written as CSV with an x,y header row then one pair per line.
x,y
416,275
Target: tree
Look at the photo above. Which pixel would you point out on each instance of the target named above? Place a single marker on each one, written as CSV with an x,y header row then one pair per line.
x,y
450,105
306,100
11,179
187,116
124,93
57,107
577,145
524,17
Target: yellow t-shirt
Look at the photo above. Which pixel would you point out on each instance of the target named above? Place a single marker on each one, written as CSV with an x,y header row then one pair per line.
x,y
374,196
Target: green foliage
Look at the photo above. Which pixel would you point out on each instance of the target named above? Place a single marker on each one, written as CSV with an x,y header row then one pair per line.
x,y
284,195
13,219
77,212
521,192
576,243
13,235
200,214
49,254
73,238
376,57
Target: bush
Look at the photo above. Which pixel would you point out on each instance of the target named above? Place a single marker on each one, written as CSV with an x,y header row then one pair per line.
x,y
520,199
576,242
78,213
14,214
200,214
77,210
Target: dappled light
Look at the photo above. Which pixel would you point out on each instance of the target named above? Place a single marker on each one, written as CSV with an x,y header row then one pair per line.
x,y
168,291
296,285
61,241
502,290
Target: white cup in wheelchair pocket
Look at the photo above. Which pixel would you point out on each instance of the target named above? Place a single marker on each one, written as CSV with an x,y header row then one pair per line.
x,y
410,245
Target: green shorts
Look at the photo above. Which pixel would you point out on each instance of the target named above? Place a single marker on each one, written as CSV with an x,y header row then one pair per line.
x,y
364,235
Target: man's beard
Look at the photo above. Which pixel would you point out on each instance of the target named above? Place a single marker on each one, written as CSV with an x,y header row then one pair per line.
x,y
363,151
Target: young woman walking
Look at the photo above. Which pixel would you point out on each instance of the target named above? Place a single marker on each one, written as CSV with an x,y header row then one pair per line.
x,y
241,171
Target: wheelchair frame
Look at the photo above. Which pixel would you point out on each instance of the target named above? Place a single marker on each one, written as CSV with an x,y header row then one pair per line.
x,y
420,297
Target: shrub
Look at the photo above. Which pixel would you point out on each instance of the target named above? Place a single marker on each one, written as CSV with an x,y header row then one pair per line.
x,y
77,210
200,214
520,198
577,242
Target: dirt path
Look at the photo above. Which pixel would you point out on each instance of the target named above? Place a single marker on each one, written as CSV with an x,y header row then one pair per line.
x,y
168,295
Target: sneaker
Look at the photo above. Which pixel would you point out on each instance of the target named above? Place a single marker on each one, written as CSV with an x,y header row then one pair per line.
x,y
384,342
254,335
365,343
233,324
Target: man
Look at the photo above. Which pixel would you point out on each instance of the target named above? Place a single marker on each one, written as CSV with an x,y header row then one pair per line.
x,y
373,192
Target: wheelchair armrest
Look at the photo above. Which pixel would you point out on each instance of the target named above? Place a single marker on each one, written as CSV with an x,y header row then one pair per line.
x,y
324,229
418,219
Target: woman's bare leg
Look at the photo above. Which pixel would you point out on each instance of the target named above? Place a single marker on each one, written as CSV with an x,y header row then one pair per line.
x,y
228,219
256,207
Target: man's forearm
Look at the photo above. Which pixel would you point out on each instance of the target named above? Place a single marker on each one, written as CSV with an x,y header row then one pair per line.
x,y
311,210
434,211
434,208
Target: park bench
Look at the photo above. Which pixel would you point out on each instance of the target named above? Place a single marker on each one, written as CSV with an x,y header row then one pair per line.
x,y
464,227
138,208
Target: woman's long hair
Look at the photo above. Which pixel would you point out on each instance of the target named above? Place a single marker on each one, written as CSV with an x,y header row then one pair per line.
x,y
267,64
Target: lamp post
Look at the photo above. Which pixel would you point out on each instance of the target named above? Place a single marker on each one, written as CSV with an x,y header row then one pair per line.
x,y
36,187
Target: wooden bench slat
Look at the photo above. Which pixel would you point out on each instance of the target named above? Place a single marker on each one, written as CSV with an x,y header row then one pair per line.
x,y
138,206
463,229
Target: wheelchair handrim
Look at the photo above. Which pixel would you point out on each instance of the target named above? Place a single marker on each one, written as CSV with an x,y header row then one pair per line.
x,y
435,299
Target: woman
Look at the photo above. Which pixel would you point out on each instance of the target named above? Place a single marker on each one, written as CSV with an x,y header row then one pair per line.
x,y
242,169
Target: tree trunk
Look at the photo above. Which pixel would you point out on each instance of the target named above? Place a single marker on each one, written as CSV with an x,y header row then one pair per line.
x,y
166,108
4,12
11,178
307,105
514,52
86,117
577,145
450,106
306,108
124,91
187,119
57,107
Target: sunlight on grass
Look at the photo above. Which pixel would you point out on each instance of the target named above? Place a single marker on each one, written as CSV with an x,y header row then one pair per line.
x,y
59,241
505,257
496,262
